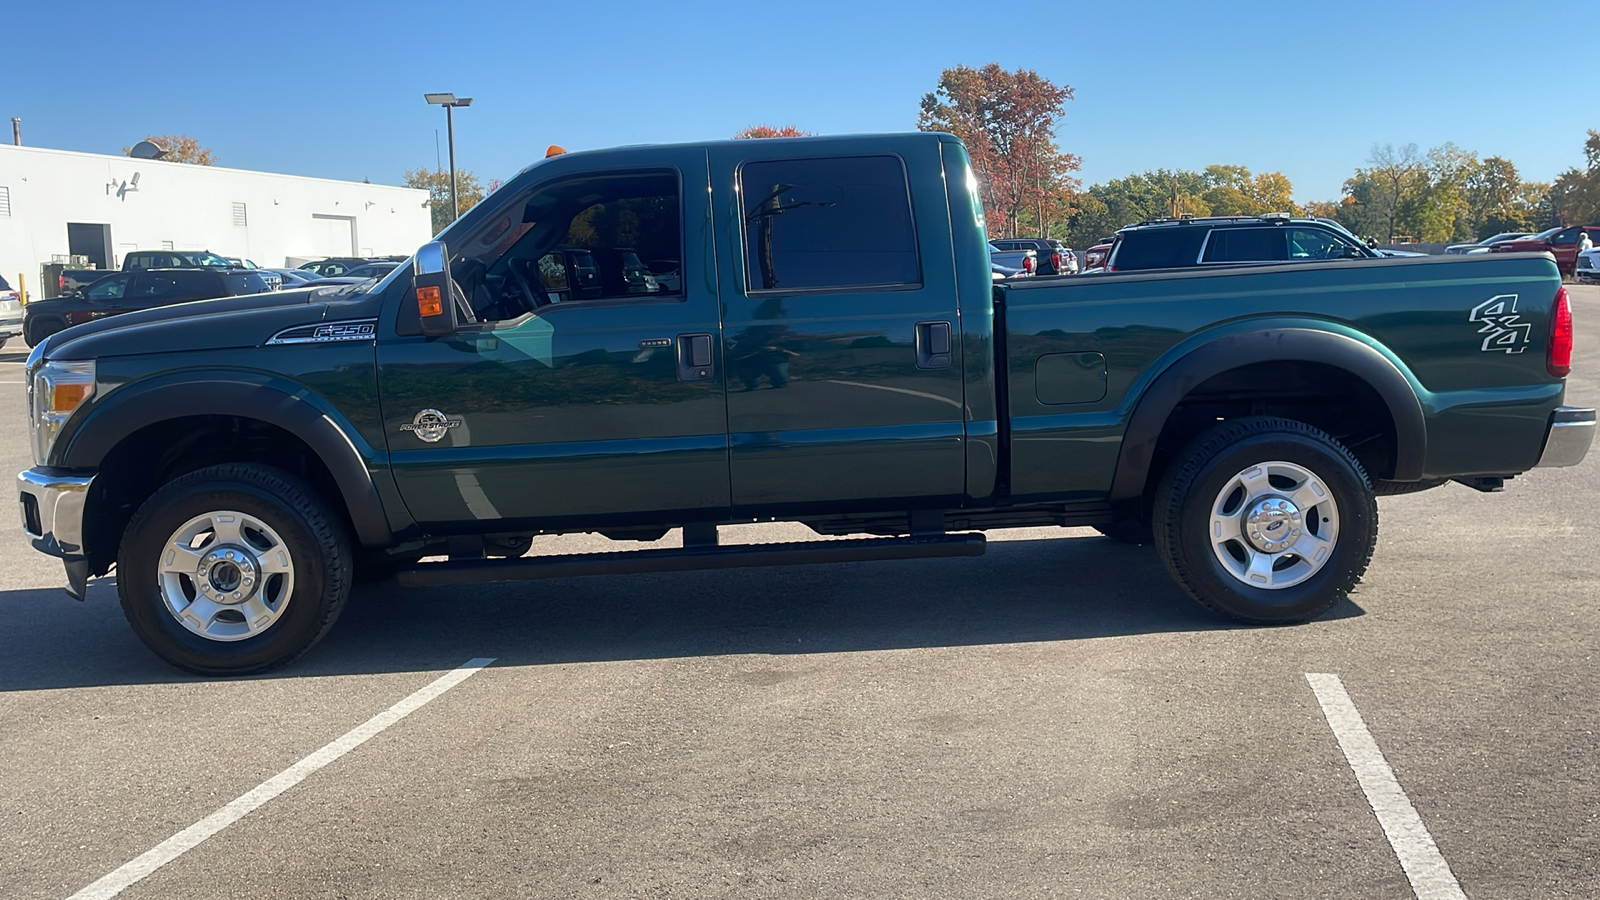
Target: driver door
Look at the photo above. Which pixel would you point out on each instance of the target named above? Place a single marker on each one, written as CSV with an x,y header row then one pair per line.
x,y
587,408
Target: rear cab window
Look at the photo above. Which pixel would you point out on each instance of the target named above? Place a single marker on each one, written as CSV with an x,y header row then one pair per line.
x,y
828,224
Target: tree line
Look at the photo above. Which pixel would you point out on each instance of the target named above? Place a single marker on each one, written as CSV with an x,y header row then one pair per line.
x,y
1008,121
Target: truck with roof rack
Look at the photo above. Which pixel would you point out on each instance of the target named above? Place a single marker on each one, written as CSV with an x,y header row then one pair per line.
x,y
833,352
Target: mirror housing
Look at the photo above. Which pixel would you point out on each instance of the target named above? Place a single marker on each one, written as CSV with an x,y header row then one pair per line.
x,y
432,290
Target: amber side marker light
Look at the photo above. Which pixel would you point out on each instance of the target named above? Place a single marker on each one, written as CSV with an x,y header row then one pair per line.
x,y
554,150
429,301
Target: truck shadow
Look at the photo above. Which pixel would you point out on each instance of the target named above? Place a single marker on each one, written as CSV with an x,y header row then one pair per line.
x,y
1019,592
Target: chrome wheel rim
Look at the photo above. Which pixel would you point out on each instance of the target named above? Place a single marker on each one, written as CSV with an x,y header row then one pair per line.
x,y
226,576
1274,525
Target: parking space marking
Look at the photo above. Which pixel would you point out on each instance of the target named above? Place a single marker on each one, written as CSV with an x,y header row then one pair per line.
x,y
173,847
1425,868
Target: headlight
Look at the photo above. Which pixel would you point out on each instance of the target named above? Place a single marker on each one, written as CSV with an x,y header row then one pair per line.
x,y
57,389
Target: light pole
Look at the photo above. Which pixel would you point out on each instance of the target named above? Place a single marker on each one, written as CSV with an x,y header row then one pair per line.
x,y
450,102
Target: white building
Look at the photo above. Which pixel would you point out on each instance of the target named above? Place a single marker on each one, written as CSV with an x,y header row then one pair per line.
x,y
55,203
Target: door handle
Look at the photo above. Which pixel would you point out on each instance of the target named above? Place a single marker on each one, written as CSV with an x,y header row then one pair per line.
x,y
694,357
933,345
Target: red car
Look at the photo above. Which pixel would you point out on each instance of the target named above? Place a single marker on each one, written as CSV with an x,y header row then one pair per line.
x,y
1563,242
1095,257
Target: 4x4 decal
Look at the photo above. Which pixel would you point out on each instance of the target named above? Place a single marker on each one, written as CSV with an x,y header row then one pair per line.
x,y
1503,327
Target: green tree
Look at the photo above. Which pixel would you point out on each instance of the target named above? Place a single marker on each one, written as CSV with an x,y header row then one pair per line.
x,y
180,148
437,183
1007,120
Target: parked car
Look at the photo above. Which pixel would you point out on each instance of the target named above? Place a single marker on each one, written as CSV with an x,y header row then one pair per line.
x,y
1001,273
1095,257
1054,257
126,292
70,281
1027,260
1588,268
336,265
1230,240
238,460
1484,245
10,312
371,270
1561,242
294,278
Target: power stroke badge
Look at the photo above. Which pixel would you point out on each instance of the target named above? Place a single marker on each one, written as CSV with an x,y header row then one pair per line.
x,y
431,425
1502,327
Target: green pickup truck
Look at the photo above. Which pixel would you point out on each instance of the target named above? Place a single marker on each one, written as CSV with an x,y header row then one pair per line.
x,y
634,340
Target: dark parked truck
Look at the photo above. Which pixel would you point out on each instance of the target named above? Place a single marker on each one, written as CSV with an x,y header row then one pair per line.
x,y
831,352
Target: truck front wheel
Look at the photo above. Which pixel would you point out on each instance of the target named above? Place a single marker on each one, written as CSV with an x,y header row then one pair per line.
x,y
233,569
1267,520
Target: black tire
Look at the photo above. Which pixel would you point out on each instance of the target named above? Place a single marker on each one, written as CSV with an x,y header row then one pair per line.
x,y
1128,531
314,536
1384,488
1189,488
36,330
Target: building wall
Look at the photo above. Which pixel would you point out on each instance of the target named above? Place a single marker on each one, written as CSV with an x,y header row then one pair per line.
x,y
150,205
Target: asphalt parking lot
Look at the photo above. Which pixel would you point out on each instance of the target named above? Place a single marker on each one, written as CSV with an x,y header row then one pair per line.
x,y
1053,719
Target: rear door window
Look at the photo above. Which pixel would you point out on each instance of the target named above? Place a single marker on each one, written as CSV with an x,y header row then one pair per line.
x,y
1238,245
828,224
1158,248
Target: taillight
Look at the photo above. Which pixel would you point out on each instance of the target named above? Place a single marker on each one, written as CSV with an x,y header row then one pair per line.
x,y
1559,359
1027,264
1055,260
61,282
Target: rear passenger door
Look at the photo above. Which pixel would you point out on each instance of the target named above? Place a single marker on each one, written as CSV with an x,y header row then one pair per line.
x,y
842,342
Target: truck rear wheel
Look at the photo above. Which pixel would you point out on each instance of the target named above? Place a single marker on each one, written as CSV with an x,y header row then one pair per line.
x,y
233,569
1267,520
36,330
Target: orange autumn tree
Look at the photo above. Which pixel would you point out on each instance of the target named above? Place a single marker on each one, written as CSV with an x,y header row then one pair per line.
x,y
767,131
1007,120
180,148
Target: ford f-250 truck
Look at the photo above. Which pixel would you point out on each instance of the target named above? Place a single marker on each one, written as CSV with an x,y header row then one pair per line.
x,y
833,353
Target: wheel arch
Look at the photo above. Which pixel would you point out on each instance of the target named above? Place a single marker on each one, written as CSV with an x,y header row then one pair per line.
x,y
166,406
1359,360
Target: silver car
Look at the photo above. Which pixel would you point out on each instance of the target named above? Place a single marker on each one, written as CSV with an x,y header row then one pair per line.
x,y
10,312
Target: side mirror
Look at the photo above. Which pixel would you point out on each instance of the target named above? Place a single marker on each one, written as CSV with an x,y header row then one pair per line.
x,y
431,289
1373,243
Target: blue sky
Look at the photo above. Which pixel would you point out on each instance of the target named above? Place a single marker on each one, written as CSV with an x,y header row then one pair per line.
x,y
334,89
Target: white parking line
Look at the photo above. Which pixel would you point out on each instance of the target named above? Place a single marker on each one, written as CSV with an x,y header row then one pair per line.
x,y
1425,868
189,838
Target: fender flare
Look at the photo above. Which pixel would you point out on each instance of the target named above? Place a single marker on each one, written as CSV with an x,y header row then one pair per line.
x,y
1272,345
250,395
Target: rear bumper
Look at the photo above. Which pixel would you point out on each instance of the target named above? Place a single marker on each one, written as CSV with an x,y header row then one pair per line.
x,y
1568,436
52,517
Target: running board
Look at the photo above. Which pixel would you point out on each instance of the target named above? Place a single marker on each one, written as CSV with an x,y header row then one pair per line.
x,y
731,556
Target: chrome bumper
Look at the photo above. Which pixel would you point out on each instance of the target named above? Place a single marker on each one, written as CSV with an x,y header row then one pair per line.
x,y
1568,436
52,517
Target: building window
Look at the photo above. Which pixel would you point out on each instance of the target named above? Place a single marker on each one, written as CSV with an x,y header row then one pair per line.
x,y
5,202
238,215
166,245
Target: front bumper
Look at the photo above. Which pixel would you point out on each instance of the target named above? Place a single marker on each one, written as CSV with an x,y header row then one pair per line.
x,y
52,517
1568,436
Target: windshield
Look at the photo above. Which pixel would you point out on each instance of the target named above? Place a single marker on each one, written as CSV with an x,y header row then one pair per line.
x,y
3,285
1544,235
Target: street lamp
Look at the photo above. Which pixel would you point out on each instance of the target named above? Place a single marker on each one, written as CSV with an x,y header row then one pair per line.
x,y
450,102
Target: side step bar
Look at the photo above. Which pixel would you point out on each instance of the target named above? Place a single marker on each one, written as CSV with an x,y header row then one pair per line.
x,y
734,556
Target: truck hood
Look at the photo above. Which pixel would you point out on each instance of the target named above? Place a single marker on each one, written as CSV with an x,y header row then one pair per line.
x,y
221,324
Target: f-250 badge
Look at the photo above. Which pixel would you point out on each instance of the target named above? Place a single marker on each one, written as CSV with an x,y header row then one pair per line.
x,y
1501,325
430,425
